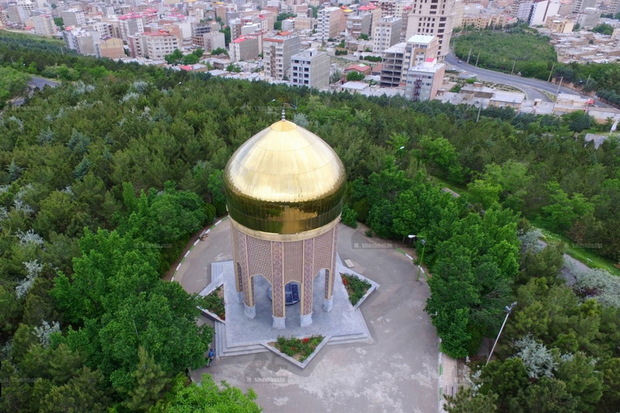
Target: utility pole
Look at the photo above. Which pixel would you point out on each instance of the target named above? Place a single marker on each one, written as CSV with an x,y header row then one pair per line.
x,y
514,62
477,57
560,85
468,55
508,311
551,73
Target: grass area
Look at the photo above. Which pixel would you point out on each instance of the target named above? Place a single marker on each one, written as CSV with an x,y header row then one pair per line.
x,y
298,348
356,287
585,255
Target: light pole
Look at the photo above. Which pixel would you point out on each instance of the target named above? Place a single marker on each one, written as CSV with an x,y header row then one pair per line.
x,y
508,311
417,277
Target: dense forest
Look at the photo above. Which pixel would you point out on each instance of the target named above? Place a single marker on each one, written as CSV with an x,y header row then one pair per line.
x,y
522,50
104,178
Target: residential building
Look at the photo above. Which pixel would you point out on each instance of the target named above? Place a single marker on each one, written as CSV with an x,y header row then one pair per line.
x,y
386,33
330,23
159,44
424,80
277,52
81,40
433,18
44,25
393,65
111,48
399,58
131,25
420,47
244,48
541,10
310,68
73,17
559,25
359,24
213,40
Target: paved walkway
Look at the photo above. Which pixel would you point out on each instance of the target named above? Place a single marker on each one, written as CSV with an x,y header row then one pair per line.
x,y
397,372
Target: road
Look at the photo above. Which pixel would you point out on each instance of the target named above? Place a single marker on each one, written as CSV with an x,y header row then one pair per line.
x,y
34,83
533,88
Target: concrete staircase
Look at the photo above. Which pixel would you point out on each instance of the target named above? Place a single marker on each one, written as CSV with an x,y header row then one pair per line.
x,y
223,350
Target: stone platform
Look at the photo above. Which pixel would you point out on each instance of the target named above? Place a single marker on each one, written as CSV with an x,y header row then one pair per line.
x,y
239,335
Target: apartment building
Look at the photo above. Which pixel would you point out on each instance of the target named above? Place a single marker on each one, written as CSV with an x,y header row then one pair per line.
x,y
433,18
386,33
131,25
277,52
310,68
424,80
330,23
159,44
73,17
244,48
44,25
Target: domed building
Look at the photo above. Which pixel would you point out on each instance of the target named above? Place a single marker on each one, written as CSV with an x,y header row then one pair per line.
x,y
284,193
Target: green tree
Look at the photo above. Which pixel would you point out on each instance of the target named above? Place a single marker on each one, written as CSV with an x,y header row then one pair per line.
x,y
466,401
208,397
174,58
151,383
355,76
604,28
84,393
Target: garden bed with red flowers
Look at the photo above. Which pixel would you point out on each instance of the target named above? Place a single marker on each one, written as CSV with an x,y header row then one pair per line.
x,y
297,348
356,287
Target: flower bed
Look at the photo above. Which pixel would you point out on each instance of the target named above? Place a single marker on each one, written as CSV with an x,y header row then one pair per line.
x,y
356,287
298,348
214,303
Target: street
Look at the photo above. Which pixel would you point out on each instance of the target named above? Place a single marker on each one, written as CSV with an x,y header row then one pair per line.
x,y
533,88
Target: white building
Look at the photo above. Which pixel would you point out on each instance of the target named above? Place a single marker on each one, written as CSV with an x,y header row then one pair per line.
x,y
541,10
310,68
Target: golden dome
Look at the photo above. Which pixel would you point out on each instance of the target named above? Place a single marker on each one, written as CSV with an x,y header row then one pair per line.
x,y
284,180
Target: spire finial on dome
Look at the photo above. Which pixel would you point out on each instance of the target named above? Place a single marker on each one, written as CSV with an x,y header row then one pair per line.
x,y
283,114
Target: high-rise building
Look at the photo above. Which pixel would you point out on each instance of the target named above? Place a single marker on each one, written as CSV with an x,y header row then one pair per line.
x,y
310,68
277,52
386,33
330,23
433,18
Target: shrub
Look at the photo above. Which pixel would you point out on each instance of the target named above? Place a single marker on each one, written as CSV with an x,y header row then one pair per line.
x,y
356,287
214,302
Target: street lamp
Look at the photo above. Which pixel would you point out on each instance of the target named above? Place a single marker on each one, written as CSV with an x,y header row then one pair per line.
x,y
417,277
508,311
